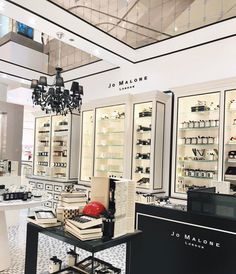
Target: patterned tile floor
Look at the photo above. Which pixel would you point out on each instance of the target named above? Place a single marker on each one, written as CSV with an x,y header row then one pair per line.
x,y
49,247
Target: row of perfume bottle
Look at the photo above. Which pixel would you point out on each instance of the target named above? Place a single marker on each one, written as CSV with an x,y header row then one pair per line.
x,y
44,142
141,128
59,174
200,123
232,154
59,153
59,164
59,143
203,106
143,142
43,131
42,153
22,195
140,169
145,156
114,115
201,173
147,112
42,163
143,181
199,140
61,130
183,187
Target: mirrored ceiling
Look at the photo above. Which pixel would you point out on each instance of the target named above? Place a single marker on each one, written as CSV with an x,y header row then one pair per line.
x,y
143,22
69,58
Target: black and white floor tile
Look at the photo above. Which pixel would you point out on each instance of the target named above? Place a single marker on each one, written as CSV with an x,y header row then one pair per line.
x,y
49,247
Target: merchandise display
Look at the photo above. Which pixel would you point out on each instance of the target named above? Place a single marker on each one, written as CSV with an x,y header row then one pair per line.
x,y
197,141
142,144
148,122
55,140
109,141
86,158
230,138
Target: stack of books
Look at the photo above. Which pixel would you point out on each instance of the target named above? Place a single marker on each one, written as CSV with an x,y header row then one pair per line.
x,y
85,227
73,199
44,218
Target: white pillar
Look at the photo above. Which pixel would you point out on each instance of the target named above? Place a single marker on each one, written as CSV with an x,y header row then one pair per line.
x,y
3,92
4,247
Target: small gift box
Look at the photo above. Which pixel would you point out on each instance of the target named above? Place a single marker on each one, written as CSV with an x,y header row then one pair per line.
x,y
70,213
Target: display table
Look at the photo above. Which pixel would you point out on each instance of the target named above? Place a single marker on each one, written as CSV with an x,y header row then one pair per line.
x,y
11,205
58,233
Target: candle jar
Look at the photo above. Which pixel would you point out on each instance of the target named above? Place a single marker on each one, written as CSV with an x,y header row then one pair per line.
x,y
190,124
204,140
212,123
196,124
202,123
188,141
207,123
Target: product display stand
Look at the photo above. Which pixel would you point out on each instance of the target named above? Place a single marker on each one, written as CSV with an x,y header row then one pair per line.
x,y
4,248
11,205
58,233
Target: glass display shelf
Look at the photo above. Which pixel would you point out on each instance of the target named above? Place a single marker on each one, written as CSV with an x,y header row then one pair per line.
x,y
109,158
196,177
198,161
110,132
109,140
199,112
197,126
108,170
100,145
198,144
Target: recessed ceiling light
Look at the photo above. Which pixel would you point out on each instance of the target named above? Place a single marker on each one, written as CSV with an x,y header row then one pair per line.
x,y
32,21
4,75
175,29
96,52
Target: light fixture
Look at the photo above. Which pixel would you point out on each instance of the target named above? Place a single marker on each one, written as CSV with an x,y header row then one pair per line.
x,y
56,98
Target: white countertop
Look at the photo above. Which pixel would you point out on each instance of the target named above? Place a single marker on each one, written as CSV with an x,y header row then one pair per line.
x,y
19,204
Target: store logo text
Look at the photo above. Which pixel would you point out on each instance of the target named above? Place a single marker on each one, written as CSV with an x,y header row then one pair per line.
x,y
195,242
127,84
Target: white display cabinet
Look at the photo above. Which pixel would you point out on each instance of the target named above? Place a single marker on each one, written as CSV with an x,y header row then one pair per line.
x,y
151,140
120,137
87,145
110,141
229,170
197,150
56,149
104,146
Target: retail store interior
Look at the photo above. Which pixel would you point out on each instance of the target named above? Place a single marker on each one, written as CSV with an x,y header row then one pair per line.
x,y
117,136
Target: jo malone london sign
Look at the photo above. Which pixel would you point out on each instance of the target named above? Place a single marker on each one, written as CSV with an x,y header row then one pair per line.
x,y
128,84
193,241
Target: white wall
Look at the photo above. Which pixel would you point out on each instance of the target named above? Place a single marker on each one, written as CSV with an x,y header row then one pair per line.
x,y
200,64
24,56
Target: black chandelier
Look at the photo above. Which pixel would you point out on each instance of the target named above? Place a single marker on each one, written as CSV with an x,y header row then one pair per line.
x,y
55,98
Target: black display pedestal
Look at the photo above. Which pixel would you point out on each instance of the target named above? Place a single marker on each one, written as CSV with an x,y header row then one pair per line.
x,y
58,233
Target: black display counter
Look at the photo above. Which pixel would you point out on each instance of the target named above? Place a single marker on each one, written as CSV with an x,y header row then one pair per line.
x,y
179,242
58,233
